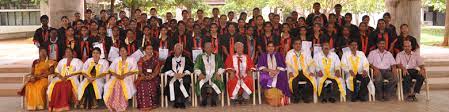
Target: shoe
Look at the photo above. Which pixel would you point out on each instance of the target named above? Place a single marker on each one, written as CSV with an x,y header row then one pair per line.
x,y
324,101
414,99
354,99
203,103
182,106
307,101
332,100
213,104
176,105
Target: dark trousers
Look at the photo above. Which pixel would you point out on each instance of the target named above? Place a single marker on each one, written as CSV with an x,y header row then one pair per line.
x,y
384,90
302,91
208,94
412,74
360,89
330,91
179,97
89,100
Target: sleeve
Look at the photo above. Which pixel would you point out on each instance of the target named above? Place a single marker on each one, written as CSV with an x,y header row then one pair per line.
x,y
133,65
288,61
261,62
198,65
229,64
58,68
219,63
167,70
365,62
391,59
419,60
344,62
371,57
188,67
280,62
311,63
78,66
249,64
398,58
113,66
337,63
105,66
85,66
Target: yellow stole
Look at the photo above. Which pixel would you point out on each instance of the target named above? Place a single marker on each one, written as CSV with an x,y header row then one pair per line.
x,y
304,71
65,70
327,63
121,70
94,83
355,68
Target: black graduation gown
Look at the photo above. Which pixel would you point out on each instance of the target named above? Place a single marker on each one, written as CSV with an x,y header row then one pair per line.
x,y
375,36
84,44
41,36
399,44
188,66
226,44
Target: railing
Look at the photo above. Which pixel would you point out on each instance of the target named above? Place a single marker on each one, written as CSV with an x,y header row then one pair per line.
x,y
19,17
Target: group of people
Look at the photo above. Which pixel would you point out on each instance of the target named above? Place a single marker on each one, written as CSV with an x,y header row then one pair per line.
x,y
111,59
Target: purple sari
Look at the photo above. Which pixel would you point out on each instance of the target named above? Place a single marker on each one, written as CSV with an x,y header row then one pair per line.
x,y
282,79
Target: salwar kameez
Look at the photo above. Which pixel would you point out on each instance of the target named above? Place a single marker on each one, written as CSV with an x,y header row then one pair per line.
x,y
148,90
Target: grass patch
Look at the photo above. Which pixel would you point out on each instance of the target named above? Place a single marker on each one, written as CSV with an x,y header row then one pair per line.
x,y
431,35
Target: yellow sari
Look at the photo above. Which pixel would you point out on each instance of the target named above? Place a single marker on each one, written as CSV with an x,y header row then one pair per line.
x,y
35,91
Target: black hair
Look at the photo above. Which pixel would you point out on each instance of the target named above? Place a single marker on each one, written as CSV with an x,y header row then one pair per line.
x,y
43,17
96,49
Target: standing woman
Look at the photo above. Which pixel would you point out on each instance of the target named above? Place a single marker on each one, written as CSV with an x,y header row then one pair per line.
x,y
399,42
37,84
147,85
91,86
286,39
63,87
120,87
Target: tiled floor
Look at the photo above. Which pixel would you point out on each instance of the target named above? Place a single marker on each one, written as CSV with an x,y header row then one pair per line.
x,y
439,103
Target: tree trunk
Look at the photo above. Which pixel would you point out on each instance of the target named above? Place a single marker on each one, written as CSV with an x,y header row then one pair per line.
x,y
446,26
112,6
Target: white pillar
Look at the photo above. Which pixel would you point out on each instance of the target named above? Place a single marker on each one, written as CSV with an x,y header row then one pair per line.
x,y
59,8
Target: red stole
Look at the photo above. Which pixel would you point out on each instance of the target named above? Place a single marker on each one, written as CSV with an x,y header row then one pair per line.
x,y
364,40
163,44
197,43
56,50
45,35
231,45
85,46
384,36
131,48
182,39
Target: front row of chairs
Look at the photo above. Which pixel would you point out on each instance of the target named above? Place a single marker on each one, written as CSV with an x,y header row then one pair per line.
x,y
258,95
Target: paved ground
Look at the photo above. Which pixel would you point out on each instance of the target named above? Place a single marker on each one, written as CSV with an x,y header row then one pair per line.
x,y
438,103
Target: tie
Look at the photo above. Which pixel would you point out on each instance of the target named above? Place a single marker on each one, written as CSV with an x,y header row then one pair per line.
x,y
93,71
178,64
238,65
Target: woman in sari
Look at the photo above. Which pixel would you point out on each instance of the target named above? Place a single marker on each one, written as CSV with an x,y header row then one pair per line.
x,y
147,84
62,88
273,77
34,89
120,87
91,86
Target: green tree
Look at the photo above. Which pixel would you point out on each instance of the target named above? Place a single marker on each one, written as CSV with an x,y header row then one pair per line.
x,y
438,5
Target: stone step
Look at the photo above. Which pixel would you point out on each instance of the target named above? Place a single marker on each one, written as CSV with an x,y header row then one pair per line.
x,y
9,89
15,69
437,71
436,62
11,77
438,83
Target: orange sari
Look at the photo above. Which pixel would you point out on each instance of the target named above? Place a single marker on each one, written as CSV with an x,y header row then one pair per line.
x,y
35,90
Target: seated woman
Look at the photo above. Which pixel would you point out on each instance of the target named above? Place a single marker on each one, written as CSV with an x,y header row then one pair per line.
x,y
62,88
147,85
35,87
273,77
91,86
120,87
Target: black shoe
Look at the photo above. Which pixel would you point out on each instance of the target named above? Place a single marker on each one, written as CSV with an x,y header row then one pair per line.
x,y
332,100
213,104
182,106
203,103
176,105
414,99
354,99
307,101
324,101
363,99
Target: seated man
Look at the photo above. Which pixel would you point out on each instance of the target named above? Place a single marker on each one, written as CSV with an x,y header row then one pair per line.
x,y
178,68
209,68
330,82
300,71
356,66
412,66
273,76
383,64
240,68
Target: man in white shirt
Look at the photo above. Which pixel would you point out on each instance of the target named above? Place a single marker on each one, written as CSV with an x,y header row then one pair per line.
x,y
356,66
384,68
